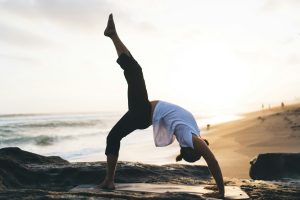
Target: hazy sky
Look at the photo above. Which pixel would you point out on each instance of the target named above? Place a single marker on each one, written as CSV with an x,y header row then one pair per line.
x,y
208,56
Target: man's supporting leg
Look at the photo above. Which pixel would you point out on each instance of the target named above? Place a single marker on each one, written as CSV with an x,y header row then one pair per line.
x,y
123,127
109,182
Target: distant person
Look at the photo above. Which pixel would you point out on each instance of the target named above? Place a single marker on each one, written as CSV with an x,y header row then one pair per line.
x,y
282,105
208,127
169,121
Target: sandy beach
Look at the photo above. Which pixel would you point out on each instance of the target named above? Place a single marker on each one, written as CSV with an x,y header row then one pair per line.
x,y
269,131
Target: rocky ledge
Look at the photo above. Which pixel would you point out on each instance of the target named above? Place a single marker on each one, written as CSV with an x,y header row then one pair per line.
x,y
25,175
275,166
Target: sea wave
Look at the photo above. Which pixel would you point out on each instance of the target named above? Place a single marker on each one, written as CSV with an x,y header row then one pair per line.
x,y
40,140
53,124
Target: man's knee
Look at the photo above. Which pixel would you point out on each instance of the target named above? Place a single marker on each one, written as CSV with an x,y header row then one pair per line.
x,y
127,62
113,139
112,144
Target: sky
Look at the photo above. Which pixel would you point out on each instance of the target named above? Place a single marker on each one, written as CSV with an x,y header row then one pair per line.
x,y
207,56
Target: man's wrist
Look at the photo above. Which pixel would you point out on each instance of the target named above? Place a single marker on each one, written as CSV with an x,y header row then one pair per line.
x,y
221,193
221,190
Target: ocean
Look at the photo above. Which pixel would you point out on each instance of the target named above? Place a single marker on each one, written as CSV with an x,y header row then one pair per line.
x,y
82,137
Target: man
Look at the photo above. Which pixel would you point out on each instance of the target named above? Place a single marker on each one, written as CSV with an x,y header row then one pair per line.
x,y
169,121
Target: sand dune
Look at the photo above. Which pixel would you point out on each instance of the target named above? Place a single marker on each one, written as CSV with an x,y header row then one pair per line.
x,y
236,143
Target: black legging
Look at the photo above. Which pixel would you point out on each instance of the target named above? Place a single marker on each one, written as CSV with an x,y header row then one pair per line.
x,y
138,115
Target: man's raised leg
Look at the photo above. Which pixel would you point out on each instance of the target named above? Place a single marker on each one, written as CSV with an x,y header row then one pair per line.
x,y
111,32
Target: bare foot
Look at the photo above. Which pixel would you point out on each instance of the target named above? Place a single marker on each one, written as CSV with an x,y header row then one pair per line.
x,y
110,28
214,195
108,185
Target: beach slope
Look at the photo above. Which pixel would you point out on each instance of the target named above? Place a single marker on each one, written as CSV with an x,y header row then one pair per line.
x,y
236,143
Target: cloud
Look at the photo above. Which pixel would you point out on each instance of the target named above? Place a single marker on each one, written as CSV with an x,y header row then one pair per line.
x,y
288,9
294,59
14,35
85,15
40,23
11,57
273,5
75,13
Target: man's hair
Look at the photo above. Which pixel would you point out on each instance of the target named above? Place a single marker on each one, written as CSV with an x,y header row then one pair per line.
x,y
188,154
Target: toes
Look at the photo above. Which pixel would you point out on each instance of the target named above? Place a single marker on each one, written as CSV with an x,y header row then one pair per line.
x,y
110,17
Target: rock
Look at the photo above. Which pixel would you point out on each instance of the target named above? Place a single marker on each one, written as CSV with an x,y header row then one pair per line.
x,y
25,175
274,166
19,169
25,157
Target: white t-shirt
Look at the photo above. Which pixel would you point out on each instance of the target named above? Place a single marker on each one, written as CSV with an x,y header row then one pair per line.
x,y
170,121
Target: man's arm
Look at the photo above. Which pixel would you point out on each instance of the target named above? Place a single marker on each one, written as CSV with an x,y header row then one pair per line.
x,y
213,165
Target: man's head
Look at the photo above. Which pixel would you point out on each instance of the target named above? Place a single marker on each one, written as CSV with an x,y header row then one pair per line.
x,y
188,154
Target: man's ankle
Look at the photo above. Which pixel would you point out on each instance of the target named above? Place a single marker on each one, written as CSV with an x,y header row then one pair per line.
x,y
114,36
109,179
